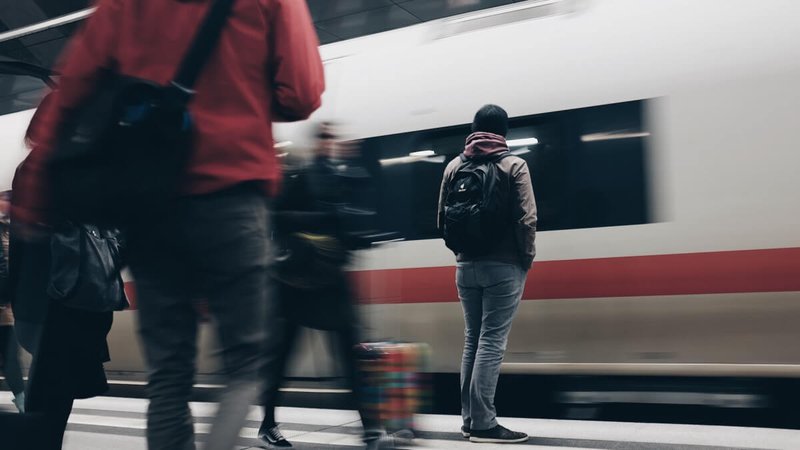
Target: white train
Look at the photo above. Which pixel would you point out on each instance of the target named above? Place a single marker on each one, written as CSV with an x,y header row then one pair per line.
x,y
663,140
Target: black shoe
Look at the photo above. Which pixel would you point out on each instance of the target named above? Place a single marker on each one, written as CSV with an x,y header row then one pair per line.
x,y
465,431
498,435
273,437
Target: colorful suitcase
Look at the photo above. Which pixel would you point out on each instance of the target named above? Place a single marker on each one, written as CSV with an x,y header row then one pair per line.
x,y
397,385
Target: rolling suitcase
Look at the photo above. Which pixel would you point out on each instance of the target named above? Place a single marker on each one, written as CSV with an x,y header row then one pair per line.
x,y
397,385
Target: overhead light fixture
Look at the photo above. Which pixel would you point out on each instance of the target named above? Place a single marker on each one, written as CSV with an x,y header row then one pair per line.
x,y
423,153
283,144
520,151
522,142
610,136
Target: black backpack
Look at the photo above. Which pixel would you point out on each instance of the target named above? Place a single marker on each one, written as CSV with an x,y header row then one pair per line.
x,y
120,156
476,209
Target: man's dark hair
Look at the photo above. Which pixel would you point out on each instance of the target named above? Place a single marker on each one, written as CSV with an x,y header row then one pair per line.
x,y
491,119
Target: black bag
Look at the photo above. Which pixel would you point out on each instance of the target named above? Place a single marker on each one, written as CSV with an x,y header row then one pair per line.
x,y
476,209
85,266
121,155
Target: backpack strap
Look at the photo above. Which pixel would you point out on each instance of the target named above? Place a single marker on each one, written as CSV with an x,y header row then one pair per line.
x,y
496,158
205,40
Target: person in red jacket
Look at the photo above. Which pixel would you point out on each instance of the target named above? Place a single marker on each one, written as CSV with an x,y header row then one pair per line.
x,y
213,244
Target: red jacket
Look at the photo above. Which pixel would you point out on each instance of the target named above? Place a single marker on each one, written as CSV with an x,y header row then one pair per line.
x,y
266,68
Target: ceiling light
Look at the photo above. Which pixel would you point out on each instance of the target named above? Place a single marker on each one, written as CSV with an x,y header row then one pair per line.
x,y
423,153
283,144
594,137
522,142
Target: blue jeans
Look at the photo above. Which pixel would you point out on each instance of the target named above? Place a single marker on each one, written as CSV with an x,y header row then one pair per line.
x,y
490,293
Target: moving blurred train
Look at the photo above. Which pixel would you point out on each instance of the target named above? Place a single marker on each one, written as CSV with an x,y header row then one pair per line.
x,y
663,142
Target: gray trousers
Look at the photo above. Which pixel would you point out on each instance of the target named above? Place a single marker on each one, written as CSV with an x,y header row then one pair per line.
x,y
490,293
212,247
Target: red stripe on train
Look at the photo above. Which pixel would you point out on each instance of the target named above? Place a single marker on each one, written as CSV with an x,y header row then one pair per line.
x,y
773,270
741,271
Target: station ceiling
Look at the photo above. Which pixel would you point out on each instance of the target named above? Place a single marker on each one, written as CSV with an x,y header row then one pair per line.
x,y
335,20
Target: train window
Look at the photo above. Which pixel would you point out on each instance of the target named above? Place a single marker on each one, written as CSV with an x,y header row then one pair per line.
x,y
587,166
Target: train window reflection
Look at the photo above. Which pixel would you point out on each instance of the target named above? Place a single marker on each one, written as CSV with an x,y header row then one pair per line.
x,y
20,92
587,165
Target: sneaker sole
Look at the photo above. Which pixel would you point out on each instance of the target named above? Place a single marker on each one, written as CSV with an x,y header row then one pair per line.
x,y
465,435
273,445
496,440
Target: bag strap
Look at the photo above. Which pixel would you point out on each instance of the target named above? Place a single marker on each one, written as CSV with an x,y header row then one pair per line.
x,y
501,156
200,50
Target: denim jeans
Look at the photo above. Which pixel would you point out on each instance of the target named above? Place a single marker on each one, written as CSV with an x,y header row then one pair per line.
x,y
490,293
213,247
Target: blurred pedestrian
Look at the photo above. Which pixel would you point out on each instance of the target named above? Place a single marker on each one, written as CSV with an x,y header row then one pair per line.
x,y
9,357
64,309
313,289
211,241
9,349
487,213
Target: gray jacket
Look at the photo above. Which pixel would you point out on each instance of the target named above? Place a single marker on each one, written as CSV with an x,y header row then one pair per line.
x,y
517,246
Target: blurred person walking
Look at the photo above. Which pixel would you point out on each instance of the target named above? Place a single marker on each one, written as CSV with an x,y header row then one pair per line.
x,y
9,348
487,213
9,357
65,283
312,287
210,242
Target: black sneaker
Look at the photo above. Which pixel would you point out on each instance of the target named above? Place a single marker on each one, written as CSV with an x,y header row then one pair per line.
x,y
273,437
498,435
465,431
